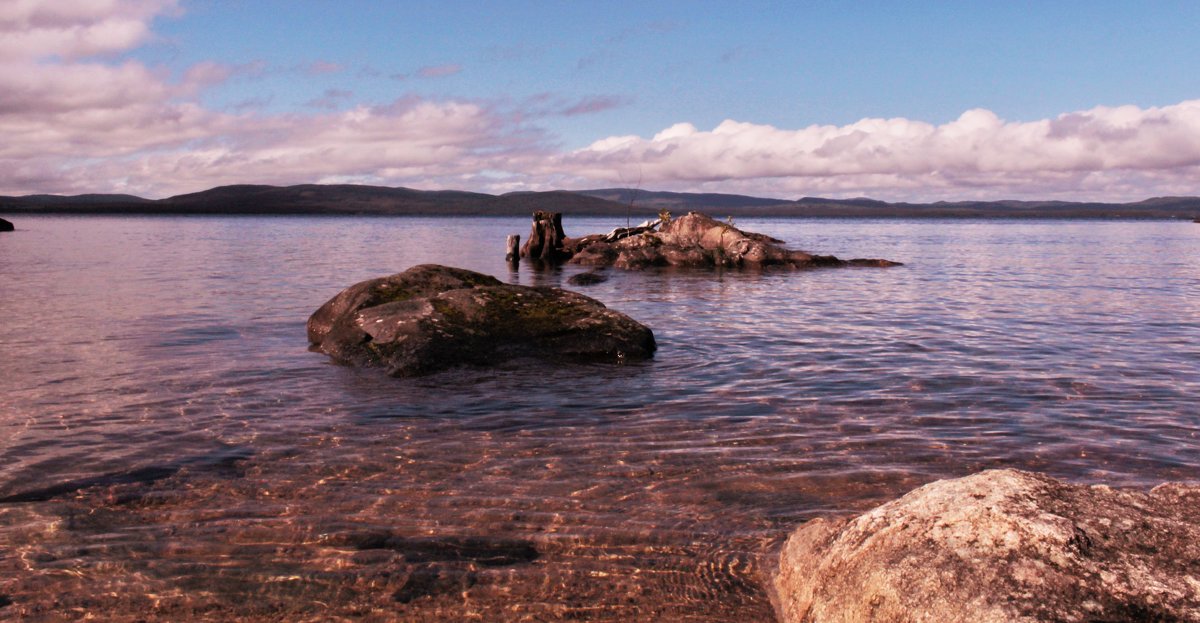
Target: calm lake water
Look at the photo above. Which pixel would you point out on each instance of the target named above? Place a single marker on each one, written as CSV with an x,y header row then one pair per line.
x,y
170,449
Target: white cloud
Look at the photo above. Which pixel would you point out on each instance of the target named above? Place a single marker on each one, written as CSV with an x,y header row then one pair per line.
x,y
75,123
408,141
76,118
31,29
1092,151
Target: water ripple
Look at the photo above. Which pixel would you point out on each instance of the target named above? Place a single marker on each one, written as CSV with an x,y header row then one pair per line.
x,y
639,492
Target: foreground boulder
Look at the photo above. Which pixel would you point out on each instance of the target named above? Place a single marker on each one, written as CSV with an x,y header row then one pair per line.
x,y
1001,545
432,317
694,240
6,225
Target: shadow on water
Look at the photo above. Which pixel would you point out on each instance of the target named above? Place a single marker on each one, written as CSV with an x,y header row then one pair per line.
x,y
485,551
225,462
441,565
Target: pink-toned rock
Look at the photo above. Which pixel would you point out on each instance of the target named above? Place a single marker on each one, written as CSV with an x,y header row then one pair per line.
x,y
1001,545
697,240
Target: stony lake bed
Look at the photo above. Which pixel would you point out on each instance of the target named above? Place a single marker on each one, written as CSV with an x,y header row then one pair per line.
x,y
172,449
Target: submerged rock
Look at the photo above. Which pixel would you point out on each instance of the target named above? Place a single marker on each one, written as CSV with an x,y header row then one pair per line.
x,y
6,225
432,317
589,278
697,240
1001,545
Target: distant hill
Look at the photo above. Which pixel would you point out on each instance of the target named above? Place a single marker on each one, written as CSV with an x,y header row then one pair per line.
x,y
681,202
81,199
323,199
351,199
741,205
1156,208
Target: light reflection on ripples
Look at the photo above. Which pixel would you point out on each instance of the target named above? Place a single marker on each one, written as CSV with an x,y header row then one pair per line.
x,y
187,457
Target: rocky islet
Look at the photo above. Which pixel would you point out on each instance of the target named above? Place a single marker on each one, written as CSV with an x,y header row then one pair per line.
x,y
694,240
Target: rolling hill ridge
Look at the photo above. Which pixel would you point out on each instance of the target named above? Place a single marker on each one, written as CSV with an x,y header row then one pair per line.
x,y
353,199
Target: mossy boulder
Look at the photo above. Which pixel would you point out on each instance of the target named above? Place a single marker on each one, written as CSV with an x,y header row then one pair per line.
x,y
432,317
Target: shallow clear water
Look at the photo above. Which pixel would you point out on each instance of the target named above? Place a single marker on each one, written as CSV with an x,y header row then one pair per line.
x,y
170,449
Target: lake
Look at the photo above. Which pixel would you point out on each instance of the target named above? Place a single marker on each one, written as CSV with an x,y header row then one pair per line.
x,y
170,449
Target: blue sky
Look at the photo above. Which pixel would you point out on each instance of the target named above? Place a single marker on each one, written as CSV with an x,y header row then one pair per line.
x,y
787,64
900,101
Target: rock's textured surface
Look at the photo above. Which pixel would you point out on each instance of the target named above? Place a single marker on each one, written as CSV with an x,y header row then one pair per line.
x,y
697,240
546,238
1000,545
433,317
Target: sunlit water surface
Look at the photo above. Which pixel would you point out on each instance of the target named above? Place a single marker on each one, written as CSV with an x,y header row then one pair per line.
x,y
170,449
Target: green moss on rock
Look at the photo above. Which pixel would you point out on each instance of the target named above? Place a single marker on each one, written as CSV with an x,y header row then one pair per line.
x,y
458,317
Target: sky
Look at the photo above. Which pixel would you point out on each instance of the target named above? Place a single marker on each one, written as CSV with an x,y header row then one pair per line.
x,y
900,101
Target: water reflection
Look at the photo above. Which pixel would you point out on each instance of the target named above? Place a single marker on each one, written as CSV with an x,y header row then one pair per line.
x,y
172,450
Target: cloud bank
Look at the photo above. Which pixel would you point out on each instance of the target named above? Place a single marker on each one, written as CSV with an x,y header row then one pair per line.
x,y
76,118
1103,152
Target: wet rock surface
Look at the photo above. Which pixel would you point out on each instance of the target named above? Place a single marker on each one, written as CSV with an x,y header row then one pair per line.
x,y
697,240
546,238
434,317
6,225
1001,545
589,278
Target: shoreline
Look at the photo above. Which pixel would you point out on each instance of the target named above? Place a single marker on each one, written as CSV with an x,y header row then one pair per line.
x,y
9,212
358,200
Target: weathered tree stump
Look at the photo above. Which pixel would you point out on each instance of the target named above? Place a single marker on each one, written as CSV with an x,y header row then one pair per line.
x,y
545,238
513,252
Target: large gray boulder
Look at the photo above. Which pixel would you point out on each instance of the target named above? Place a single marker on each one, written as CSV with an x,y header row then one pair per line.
x,y
1001,545
697,240
432,317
